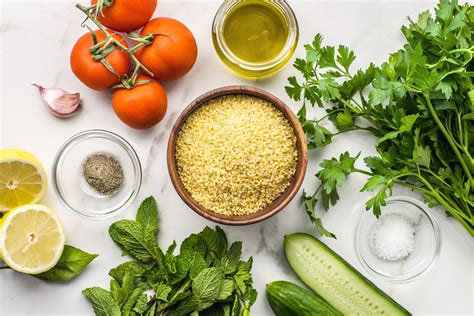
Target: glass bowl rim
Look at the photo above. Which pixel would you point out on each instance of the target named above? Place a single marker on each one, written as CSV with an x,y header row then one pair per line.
x,y
435,228
291,42
127,147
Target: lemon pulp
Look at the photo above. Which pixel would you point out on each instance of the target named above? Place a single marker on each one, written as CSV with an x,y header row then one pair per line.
x,y
22,179
31,239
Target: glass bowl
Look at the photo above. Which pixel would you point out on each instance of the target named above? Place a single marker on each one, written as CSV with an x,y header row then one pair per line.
x,y
73,190
242,67
427,241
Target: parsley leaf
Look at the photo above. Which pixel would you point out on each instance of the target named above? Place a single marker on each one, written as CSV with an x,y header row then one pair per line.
x,y
310,205
419,104
333,172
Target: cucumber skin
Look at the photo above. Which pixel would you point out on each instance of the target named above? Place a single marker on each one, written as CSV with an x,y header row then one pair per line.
x,y
350,267
289,299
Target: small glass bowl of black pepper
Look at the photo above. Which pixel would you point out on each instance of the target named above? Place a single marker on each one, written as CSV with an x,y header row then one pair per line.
x,y
97,174
402,244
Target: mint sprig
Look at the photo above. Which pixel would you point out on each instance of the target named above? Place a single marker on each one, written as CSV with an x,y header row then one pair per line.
x,y
206,276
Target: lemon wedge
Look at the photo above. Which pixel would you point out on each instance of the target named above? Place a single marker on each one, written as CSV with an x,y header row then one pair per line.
x,y
22,179
31,239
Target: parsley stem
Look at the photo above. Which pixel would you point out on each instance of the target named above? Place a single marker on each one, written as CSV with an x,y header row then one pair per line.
x,y
448,137
448,207
327,115
430,193
370,174
350,106
356,128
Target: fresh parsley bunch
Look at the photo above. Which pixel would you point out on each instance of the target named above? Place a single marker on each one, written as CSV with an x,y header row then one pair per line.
x,y
419,104
206,278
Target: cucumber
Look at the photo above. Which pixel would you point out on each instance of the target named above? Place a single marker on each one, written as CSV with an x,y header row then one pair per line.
x,y
289,299
335,280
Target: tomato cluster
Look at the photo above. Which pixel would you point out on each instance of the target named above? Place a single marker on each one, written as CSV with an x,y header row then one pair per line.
x,y
165,50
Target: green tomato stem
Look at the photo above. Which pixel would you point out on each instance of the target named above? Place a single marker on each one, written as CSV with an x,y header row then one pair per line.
x,y
115,41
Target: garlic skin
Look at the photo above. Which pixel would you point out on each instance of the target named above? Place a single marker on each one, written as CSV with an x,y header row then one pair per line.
x,y
60,103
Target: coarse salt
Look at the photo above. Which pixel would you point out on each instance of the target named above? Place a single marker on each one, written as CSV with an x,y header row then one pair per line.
x,y
392,237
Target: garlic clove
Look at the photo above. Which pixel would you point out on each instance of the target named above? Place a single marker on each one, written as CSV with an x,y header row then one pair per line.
x,y
60,102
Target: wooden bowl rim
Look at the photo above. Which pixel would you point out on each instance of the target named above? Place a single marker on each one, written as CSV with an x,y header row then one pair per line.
x,y
273,208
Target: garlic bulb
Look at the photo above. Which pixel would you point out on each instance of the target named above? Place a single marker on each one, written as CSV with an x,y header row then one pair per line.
x,y
60,103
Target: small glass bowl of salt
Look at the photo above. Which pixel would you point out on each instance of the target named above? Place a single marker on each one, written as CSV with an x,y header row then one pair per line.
x,y
402,244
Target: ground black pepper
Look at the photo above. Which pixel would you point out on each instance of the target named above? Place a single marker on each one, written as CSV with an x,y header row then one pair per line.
x,y
103,173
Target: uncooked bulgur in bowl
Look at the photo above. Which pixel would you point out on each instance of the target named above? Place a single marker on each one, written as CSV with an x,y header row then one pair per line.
x,y
237,155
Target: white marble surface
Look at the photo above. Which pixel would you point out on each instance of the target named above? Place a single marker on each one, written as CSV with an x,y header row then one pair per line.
x,y
36,38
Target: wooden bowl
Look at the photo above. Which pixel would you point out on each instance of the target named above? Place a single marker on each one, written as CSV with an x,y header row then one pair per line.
x,y
270,209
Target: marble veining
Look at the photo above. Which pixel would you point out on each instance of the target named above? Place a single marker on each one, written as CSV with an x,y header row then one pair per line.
x,y
36,38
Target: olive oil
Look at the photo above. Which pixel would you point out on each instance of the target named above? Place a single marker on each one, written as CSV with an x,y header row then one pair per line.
x,y
255,31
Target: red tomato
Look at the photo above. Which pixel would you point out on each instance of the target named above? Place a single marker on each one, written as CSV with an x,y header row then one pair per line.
x,y
141,107
93,73
127,15
173,51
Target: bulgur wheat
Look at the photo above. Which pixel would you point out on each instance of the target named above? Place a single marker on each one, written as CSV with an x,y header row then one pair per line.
x,y
236,154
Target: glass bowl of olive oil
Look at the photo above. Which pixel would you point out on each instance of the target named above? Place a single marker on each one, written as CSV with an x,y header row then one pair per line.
x,y
255,38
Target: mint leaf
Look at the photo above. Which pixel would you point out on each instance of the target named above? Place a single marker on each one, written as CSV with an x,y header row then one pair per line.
x,y
71,263
132,300
102,302
207,284
226,290
243,278
136,269
170,260
134,240
181,293
250,296
147,215
216,240
205,277
205,291
141,305
162,292
236,307
116,292
230,262
192,255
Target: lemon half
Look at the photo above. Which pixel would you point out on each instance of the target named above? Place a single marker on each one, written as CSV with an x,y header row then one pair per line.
x,y
31,239
22,179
